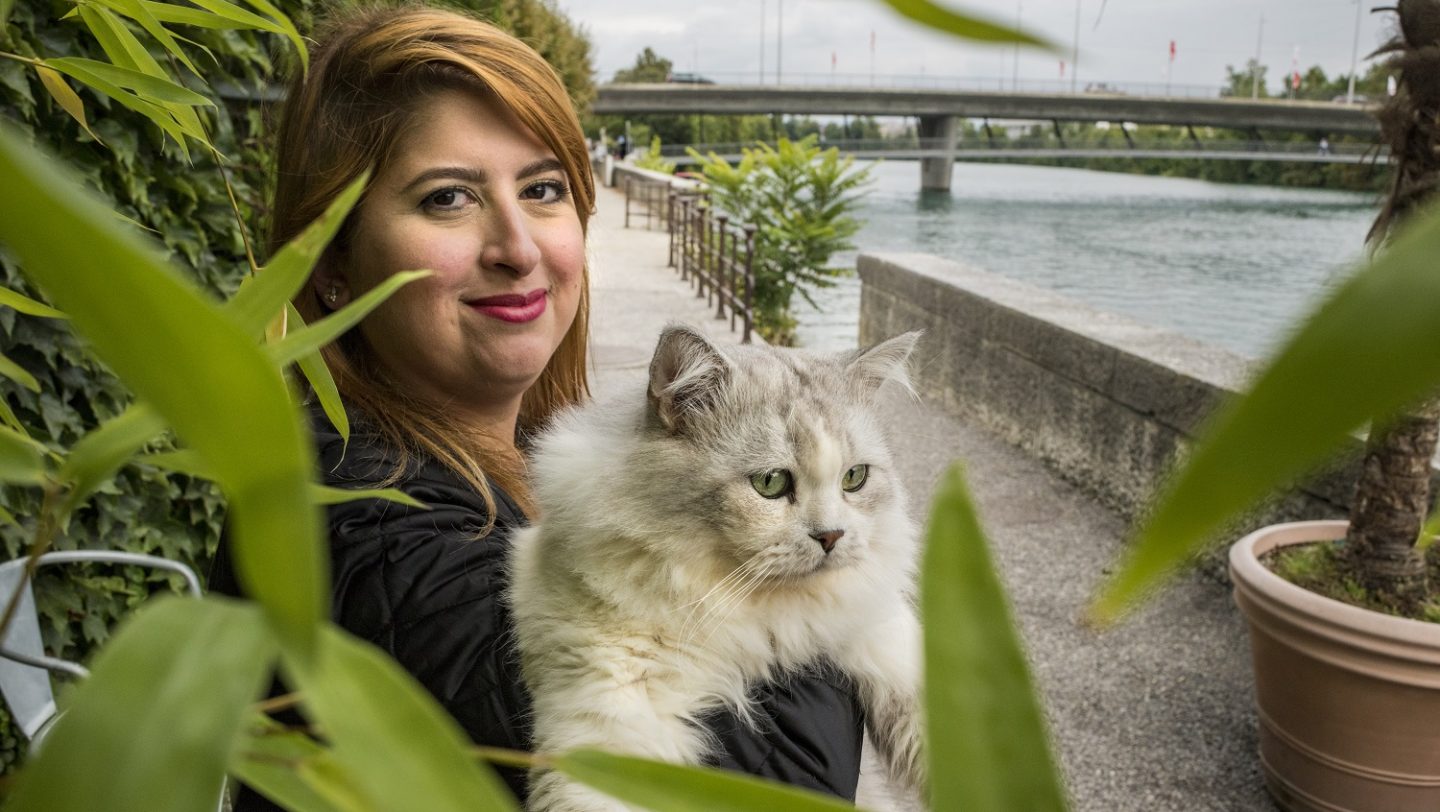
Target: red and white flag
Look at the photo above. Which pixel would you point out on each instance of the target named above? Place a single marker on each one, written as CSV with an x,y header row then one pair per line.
x,y
1172,50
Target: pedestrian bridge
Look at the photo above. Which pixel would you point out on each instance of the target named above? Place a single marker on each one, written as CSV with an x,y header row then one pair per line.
x,y
937,112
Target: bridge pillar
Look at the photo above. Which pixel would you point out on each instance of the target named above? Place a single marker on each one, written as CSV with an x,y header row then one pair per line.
x,y
937,132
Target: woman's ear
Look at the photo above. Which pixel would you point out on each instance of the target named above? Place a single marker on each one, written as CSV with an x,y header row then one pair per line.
x,y
330,287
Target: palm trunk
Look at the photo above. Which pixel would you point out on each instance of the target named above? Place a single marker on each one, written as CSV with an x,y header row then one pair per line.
x,y
1392,496
1392,500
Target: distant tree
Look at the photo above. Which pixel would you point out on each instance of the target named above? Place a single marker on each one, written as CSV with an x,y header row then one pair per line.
x,y
1241,83
543,26
649,67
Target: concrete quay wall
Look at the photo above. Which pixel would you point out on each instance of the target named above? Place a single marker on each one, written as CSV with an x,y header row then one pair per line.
x,y
1108,403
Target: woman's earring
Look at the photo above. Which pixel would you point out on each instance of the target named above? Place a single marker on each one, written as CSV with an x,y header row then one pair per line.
x,y
332,295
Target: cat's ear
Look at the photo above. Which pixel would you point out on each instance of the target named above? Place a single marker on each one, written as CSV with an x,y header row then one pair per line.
x,y
874,366
686,375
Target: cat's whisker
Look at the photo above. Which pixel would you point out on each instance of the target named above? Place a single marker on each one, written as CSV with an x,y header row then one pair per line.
x,y
738,597
729,586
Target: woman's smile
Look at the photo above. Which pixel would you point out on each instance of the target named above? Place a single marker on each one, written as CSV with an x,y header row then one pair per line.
x,y
516,308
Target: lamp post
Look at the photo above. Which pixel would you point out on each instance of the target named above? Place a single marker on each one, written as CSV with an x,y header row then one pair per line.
x,y
779,40
762,42
1075,51
1015,67
1255,69
1354,55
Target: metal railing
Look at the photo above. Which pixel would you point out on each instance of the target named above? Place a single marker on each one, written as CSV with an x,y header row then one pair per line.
x,y
717,255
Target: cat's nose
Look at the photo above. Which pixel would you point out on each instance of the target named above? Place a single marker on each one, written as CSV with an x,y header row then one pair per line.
x,y
827,538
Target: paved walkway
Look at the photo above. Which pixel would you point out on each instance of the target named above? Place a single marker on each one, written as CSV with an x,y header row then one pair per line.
x,y
1155,715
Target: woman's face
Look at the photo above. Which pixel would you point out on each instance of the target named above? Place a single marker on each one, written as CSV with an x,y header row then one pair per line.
x,y
473,196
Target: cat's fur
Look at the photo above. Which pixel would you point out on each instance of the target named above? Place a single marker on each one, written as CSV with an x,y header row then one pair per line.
x,y
660,584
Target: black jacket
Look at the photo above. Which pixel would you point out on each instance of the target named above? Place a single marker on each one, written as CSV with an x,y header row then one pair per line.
x,y
419,585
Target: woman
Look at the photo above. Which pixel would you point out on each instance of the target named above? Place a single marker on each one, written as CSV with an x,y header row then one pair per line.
x,y
482,177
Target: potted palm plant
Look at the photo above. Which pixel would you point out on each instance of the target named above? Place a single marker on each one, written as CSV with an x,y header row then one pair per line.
x,y
1348,698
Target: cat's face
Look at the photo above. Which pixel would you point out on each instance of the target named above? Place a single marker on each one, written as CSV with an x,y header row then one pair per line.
x,y
779,452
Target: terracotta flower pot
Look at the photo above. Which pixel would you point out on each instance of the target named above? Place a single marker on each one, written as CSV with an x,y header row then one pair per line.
x,y
1348,699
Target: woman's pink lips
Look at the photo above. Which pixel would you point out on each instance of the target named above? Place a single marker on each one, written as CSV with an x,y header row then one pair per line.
x,y
515,308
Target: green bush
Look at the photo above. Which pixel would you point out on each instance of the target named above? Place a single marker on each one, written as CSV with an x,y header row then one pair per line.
x,y
799,197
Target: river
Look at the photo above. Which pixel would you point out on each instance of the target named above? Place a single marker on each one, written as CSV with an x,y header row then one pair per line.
x,y
1230,265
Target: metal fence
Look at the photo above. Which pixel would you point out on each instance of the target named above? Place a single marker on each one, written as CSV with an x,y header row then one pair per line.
x,y
717,255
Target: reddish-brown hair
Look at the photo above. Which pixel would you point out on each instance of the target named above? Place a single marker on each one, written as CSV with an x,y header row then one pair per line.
x,y
368,76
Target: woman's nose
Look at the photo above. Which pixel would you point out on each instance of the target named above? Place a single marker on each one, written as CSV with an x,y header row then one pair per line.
x,y
509,246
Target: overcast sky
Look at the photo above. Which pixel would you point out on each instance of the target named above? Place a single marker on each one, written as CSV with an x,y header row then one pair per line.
x,y
1129,44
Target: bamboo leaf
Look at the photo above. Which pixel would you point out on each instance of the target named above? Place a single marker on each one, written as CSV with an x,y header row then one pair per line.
x,y
264,295
676,788
18,374
22,460
987,745
311,338
966,26
287,27
66,98
326,495
293,770
153,87
98,455
157,114
137,12
221,15
388,732
152,726
8,418
180,461
28,306
205,376
322,385
1366,353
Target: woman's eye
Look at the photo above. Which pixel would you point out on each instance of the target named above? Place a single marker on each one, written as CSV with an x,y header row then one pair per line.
x,y
451,199
545,191
854,478
772,484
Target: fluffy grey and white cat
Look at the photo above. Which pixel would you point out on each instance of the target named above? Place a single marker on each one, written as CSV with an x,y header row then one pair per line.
x,y
744,520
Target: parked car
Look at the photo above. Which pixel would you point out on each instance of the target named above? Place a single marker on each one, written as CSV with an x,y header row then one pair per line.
x,y
688,79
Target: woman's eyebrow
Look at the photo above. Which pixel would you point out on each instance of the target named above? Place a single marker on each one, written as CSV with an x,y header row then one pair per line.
x,y
470,174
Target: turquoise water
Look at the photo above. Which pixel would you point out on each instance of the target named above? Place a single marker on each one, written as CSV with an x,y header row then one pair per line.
x,y
1228,265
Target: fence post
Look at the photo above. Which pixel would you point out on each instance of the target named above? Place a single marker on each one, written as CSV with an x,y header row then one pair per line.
x,y
684,239
670,227
721,265
628,181
749,282
703,270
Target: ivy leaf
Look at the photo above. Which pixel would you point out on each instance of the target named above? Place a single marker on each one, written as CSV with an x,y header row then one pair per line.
x,y
65,97
28,306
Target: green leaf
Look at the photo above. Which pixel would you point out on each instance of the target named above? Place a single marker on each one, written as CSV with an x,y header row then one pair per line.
x,y
326,495
177,351
675,788
311,338
263,296
180,461
1366,353
150,88
288,28
137,12
98,455
987,745
322,384
8,418
28,306
222,15
293,770
153,725
18,374
388,732
22,460
966,26
66,97
156,113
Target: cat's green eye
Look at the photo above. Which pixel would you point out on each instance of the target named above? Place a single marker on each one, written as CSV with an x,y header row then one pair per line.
x,y
855,478
772,484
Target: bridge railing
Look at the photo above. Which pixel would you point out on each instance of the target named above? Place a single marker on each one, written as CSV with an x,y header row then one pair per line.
x,y
717,255
942,81
1117,143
